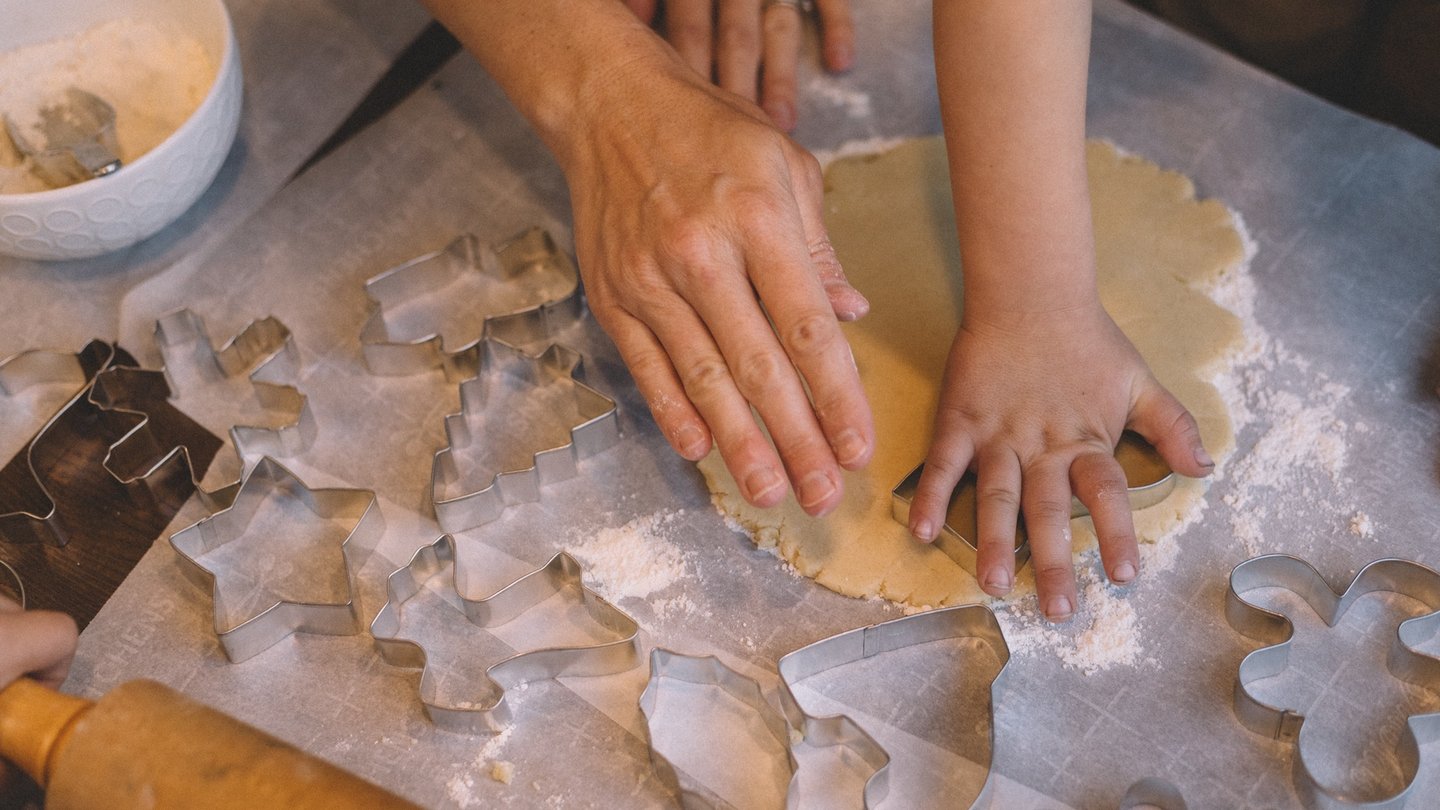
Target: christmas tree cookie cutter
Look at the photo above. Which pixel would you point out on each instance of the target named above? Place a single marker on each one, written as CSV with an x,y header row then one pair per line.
x,y
597,428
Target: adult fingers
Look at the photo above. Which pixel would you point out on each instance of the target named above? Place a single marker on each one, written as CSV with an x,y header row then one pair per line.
x,y
738,47
765,377
782,274
808,185
689,27
782,54
1045,500
1164,422
41,642
837,34
644,9
1099,482
660,385
708,383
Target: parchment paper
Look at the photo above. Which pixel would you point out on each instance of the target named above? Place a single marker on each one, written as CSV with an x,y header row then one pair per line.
x,y
1344,213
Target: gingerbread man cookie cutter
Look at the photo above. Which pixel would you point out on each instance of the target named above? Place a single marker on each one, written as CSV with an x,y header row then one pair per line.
x,y
264,349
562,572
555,301
1277,632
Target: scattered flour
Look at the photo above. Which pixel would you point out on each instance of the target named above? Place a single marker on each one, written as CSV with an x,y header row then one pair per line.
x,y
868,146
153,76
1105,633
636,560
1361,526
835,92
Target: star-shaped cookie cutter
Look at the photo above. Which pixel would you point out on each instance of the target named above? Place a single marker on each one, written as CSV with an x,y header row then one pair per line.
x,y
357,508
532,322
958,621
35,518
597,430
560,573
1277,632
265,349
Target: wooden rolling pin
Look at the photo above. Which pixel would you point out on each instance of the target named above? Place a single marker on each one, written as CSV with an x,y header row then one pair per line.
x,y
146,745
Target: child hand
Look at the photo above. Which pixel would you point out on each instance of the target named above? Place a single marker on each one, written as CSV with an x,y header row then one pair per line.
x,y
37,643
1036,404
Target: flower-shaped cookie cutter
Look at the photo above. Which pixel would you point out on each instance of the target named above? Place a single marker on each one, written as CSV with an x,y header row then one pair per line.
x,y
357,508
1276,631
530,258
33,517
597,428
265,349
958,621
559,574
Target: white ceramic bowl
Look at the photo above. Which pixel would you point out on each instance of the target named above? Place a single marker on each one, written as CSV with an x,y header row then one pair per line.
x,y
108,213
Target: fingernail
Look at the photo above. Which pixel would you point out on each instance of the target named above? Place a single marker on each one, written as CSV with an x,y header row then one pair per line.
x,y
782,113
841,56
923,530
1058,609
998,582
815,488
692,442
1124,572
849,447
763,482
1203,458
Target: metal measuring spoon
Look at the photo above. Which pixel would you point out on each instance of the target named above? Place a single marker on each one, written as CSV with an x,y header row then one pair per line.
x,y
79,139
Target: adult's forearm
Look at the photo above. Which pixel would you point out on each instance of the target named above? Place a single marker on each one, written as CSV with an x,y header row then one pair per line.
x,y
1012,90
561,62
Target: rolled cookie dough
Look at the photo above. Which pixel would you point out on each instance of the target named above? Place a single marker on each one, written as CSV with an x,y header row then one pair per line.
x,y
892,222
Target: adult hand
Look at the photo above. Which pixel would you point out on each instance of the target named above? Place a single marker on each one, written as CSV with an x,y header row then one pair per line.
x,y
39,644
1036,407
752,47
699,233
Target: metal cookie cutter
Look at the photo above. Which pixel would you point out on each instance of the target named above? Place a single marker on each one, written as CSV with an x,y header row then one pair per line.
x,y
1276,631
1148,478
597,430
264,348
79,141
530,259
357,508
32,517
959,621
708,671
562,572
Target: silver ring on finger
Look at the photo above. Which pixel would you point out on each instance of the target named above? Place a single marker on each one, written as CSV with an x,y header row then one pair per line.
x,y
801,7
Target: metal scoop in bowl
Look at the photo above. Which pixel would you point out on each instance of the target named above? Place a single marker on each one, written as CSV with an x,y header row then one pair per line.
x,y
76,139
